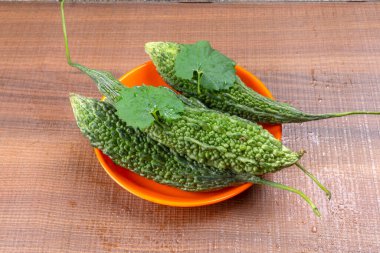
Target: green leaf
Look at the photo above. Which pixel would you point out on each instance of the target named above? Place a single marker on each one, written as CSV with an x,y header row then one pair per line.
x,y
140,106
206,66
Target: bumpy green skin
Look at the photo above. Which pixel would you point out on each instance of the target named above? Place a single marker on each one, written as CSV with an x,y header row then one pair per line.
x,y
132,149
225,142
207,136
237,100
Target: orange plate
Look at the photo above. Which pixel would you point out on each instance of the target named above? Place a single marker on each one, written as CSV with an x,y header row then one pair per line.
x,y
162,194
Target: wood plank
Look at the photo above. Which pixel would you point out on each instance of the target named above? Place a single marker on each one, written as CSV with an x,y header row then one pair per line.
x,y
55,197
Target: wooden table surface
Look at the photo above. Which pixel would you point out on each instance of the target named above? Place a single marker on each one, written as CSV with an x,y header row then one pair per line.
x,y
54,195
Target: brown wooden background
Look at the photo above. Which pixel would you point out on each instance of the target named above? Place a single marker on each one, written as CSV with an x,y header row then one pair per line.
x,y
55,197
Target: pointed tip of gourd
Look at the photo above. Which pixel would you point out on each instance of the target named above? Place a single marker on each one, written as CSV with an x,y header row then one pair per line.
x,y
156,49
81,106
151,46
75,104
76,99
73,98
78,102
301,153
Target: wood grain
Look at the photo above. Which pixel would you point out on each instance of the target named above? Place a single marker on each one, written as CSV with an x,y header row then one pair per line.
x,y
55,197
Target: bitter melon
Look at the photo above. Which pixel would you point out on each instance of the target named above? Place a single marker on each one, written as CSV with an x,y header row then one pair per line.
x,y
237,100
132,149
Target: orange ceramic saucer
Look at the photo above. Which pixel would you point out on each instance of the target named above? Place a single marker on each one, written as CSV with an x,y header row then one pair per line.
x,y
162,194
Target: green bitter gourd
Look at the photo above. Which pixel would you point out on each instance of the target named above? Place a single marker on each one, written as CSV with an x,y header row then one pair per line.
x,y
237,100
133,149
